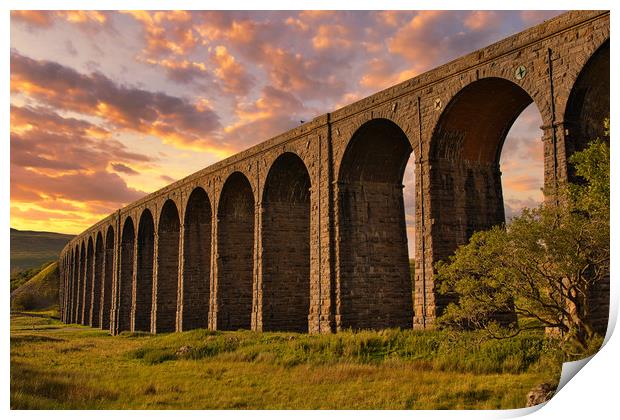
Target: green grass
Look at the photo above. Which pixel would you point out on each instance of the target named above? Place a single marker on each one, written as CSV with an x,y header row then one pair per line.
x,y
41,291
73,367
30,249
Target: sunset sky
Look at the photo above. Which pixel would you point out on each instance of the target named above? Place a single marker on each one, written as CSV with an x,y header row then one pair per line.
x,y
109,106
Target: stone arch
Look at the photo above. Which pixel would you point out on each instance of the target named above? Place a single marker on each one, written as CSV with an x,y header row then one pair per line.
x,y
168,234
286,245
197,260
474,124
235,245
108,276
125,283
97,281
375,289
143,293
587,107
588,102
465,150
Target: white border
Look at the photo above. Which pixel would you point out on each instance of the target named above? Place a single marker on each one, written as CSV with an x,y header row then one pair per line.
x,y
592,394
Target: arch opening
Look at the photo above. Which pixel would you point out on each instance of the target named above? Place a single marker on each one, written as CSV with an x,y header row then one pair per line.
x,y
144,273
108,274
97,281
125,283
168,234
587,107
235,253
588,102
286,246
373,262
465,150
197,261
490,122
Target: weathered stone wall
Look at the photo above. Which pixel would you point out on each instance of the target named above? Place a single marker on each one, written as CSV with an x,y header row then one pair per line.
x,y
143,287
374,279
248,267
125,281
97,282
235,255
106,289
167,268
285,235
197,261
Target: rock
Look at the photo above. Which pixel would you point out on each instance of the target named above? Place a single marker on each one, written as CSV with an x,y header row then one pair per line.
x,y
540,394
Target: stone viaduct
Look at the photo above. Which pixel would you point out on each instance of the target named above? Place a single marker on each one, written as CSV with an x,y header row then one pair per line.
x,y
306,231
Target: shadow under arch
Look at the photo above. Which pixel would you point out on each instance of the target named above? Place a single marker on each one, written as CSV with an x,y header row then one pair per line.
x,y
125,282
97,281
143,300
197,260
587,108
108,275
168,233
286,246
235,253
375,289
588,102
75,284
465,151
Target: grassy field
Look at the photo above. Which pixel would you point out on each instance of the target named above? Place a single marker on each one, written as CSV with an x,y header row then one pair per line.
x,y
73,367
30,249
40,291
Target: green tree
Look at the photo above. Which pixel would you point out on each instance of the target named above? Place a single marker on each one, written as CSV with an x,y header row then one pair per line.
x,y
542,266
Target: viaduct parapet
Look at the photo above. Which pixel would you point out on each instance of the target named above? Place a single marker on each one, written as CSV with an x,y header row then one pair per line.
x,y
306,231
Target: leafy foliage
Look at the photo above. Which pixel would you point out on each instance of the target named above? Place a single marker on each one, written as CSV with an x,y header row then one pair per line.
x,y
542,266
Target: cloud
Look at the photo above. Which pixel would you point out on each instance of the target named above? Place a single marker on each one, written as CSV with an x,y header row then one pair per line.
x,y
514,206
166,32
332,36
98,186
43,139
56,159
173,119
534,17
182,71
523,183
230,72
33,18
119,167
87,20
433,37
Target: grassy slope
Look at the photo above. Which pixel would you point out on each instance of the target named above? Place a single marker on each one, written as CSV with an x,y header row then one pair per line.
x,y
58,366
40,292
31,249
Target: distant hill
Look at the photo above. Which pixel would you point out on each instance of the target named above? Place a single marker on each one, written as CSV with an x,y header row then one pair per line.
x,y
40,292
31,249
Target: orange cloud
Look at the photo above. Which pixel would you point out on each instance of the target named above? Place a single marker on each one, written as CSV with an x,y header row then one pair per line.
x,y
481,20
166,31
88,20
381,75
174,120
331,36
523,183
230,72
36,18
